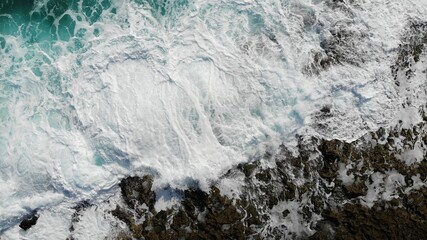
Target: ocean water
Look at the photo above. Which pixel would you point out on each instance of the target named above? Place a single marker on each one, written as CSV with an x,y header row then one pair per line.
x,y
91,91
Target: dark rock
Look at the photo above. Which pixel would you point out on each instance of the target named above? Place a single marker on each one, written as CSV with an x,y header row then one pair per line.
x,y
123,215
180,220
340,44
309,179
197,198
326,109
414,42
263,176
222,218
355,221
137,191
247,169
29,221
82,205
79,208
355,190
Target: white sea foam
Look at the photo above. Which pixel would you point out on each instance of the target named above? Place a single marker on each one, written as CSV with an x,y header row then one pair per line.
x,y
183,95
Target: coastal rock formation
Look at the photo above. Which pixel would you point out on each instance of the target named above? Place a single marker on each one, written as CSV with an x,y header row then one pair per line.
x,y
29,221
330,189
370,188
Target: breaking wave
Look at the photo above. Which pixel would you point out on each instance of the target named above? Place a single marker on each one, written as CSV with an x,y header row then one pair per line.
x,y
93,90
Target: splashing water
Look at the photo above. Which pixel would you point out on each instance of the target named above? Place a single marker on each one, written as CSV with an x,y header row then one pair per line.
x,y
94,90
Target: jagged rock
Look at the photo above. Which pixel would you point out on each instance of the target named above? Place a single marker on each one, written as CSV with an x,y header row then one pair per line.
x,y
200,215
413,44
355,190
180,219
137,191
310,179
79,208
340,44
355,221
247,169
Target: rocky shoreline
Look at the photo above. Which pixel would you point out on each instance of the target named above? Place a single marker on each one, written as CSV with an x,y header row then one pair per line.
x,y
318,186
330,190
371,188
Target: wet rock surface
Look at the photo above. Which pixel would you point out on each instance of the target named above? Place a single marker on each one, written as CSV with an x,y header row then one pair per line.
x,y
371,188
75,218
29,221
410,50
403,218
330,189
200,215
341,42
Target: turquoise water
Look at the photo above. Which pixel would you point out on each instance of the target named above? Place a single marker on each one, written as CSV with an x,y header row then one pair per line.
x,y
36,116
38,21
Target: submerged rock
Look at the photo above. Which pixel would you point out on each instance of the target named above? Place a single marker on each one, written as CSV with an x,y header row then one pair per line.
x,y
413,45
78,210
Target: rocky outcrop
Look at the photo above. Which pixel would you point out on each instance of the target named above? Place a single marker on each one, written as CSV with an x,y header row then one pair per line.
x,y
413,44
332,188
401,218
29,221
371,188
341,42
200,215
75,218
